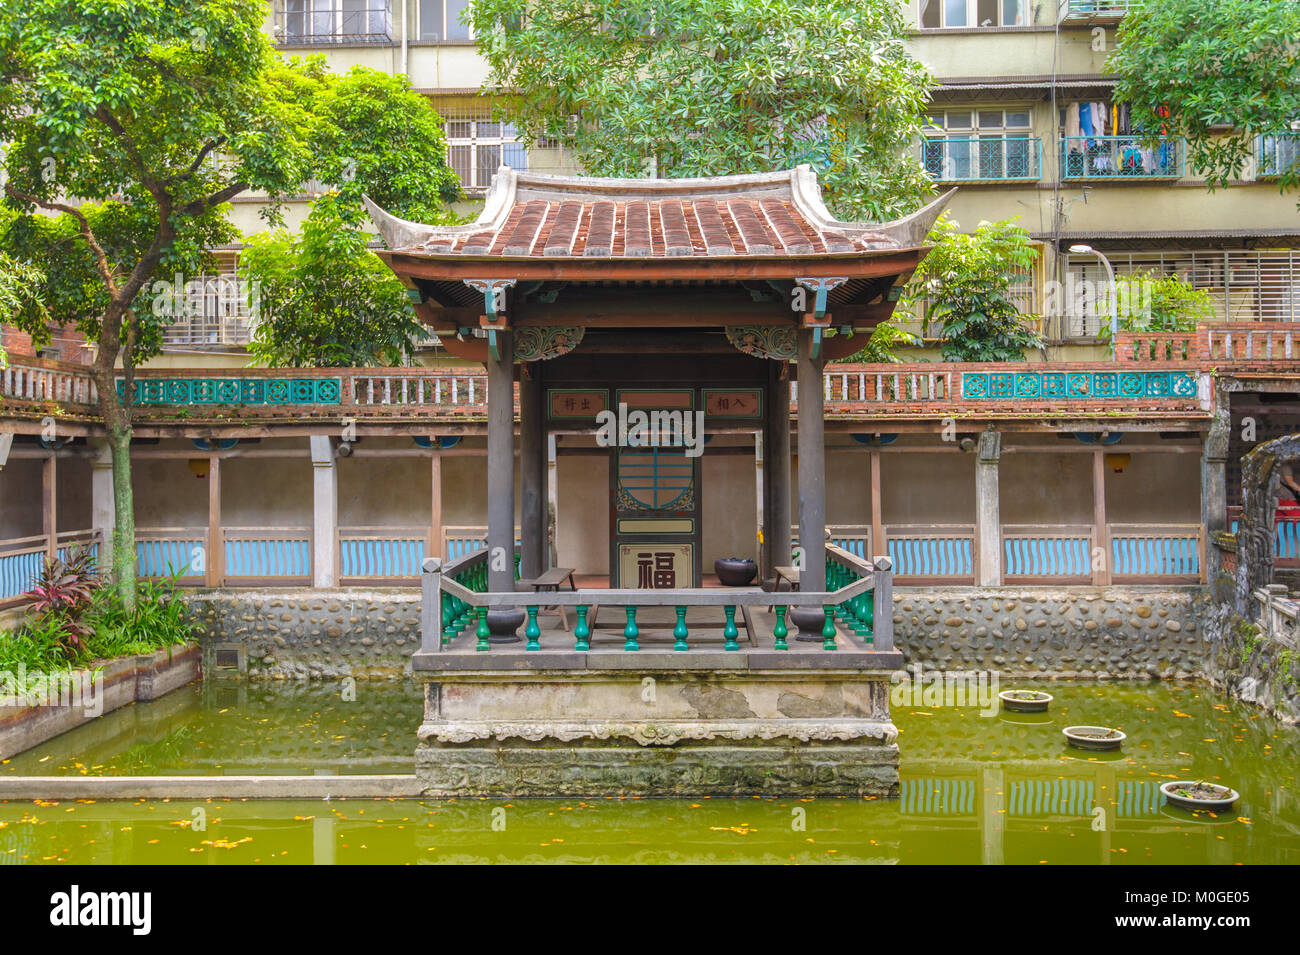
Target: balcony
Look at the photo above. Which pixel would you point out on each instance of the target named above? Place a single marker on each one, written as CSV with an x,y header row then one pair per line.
x,y
983,159
212,312
1091,12
1277,154
1120,158
334,22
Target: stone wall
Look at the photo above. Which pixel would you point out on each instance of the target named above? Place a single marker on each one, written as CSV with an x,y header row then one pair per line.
x,y
311,634
1098,633
1252,664
1082,632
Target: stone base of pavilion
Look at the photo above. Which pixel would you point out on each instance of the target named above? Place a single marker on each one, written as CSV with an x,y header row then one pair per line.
x,y
657,721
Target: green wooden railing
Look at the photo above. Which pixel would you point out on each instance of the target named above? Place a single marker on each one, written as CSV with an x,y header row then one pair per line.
x,y
457,591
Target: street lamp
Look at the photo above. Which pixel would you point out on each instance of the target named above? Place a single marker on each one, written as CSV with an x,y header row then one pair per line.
x,y
1111,291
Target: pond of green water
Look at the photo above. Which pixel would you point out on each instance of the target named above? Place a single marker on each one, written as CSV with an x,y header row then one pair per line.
x,y
974,789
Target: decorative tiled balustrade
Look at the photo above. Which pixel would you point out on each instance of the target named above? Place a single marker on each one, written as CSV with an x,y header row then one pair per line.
x,y
1151,371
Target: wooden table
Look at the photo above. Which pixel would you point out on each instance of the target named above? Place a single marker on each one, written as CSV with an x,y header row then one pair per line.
x,y
550,582
787,575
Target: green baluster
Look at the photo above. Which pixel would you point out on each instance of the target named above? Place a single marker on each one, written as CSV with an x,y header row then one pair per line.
x,y
448,618
679,631
482,632
532,631
780,631
730,631
630,631
828,631
582,632
869,615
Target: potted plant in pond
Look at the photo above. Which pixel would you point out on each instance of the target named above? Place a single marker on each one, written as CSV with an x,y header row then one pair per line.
x,y
1198,794
1094,737
1025,701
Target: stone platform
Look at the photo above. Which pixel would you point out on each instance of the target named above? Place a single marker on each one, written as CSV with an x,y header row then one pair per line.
x,y
658,722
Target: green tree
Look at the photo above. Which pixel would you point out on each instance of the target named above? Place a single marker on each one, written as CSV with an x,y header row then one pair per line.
x,y
324,299
1152,302
711,87
1191,68
965,285
136,123
20,284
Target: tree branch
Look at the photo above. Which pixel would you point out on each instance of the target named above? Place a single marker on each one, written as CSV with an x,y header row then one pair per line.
x,y
101,259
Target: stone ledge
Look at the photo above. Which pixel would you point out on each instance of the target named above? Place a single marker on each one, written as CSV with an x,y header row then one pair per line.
x,y
514,661
772,769
657,732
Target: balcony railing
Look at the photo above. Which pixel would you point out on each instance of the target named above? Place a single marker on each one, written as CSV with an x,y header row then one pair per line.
x,y
1095,11
1120,158
1277,154
983,159
311,23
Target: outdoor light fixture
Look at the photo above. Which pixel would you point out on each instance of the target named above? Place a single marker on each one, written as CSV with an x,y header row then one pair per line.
x,y
200,467
1118,462
1110,289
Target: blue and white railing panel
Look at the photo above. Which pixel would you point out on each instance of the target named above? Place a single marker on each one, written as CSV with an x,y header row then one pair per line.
x,y
380,553
283,553
1049,553
1150,551
946,551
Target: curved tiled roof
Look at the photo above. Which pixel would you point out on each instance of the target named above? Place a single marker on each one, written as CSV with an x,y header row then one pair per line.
x,y
767,214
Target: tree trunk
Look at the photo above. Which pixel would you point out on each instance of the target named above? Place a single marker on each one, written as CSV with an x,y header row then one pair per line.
x,y
117,423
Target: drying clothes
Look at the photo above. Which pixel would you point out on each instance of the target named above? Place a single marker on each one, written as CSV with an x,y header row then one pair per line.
x,y
1072,128
1099,118
1085,120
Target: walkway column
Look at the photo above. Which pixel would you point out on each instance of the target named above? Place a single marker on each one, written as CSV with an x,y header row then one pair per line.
x,y
216,546
103,516
435,505
812,467
1101,575
777,526
501,466
1214,489
50,504
532,473
879,546
988,517
325,513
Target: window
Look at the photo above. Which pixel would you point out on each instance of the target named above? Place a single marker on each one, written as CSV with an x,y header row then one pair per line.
x,y
333,21
440,21
972,13
979,144
477,147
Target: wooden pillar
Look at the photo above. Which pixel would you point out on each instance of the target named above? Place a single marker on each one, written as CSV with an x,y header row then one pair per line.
x,y
760,495
325,513
552,500
532,473
435,500
1101,568
1214,491
879,546
501,467
50,504
777,529
216,548
988,514
812,468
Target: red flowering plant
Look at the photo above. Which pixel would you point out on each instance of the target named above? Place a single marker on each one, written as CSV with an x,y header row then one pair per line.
x,y
62,595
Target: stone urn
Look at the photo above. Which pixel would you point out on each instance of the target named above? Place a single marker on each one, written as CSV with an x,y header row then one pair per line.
x,y
735,571
810,621
504,624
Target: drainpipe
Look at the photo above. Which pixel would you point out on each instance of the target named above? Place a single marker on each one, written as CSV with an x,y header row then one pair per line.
x,y
406,13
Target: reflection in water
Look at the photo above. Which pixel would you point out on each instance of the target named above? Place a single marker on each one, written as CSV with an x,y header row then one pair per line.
x,y
973,790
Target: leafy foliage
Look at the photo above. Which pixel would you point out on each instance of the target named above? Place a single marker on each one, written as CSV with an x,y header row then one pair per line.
x,y
1192,68
711,87
1153,302
62,595
326,300
965,284
882,344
